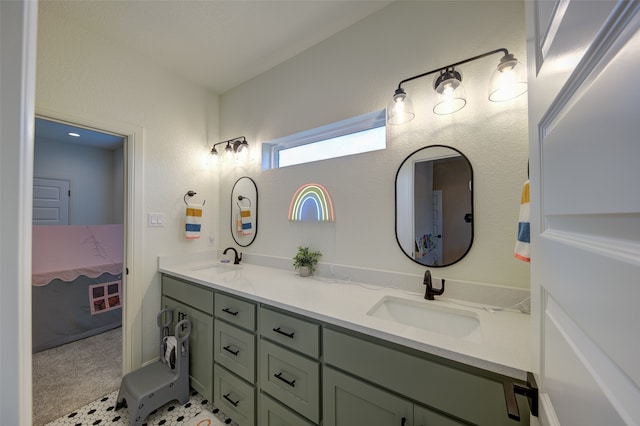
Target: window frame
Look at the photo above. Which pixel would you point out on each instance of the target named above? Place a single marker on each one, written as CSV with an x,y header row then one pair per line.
x,y
368,121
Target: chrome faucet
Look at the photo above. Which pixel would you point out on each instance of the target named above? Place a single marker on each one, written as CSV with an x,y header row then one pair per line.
x,y
430,292
236,258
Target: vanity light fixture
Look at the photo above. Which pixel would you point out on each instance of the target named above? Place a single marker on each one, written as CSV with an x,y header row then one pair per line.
x,y
236,146
508,81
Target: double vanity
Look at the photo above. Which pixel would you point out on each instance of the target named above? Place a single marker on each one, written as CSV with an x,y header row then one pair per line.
x,y
272,348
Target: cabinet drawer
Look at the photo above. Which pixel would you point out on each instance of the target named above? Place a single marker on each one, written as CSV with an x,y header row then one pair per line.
x,y
425,380
189,294
234,397
235,349
291,378
295,333
236,311
272,413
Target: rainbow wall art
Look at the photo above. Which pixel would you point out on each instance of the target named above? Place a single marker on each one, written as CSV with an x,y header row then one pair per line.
x,y
311,203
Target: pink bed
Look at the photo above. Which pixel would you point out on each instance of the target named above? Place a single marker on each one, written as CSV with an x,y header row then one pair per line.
x,y
77,282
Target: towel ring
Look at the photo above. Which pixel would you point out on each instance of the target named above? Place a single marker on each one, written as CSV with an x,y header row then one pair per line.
x,y
191,194
241,198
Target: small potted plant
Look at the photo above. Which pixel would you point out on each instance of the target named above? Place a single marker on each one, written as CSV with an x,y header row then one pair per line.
x,y
305,260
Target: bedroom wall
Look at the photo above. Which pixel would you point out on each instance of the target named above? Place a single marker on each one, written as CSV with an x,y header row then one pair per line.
x,y
95,175
81,74
357,71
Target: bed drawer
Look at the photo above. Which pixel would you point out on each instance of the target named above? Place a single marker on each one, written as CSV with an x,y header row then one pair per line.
x,y
235,349
289,331
236,311
188,293
291,378
234,397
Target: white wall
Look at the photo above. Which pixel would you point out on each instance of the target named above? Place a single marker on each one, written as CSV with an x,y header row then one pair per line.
x,y
82,75
356,72
96,179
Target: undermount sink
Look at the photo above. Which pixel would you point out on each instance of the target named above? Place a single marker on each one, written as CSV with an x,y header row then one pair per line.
x,y
429,316
219,267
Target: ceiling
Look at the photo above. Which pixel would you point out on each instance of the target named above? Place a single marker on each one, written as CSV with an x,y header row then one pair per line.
x,y
217,44
46,130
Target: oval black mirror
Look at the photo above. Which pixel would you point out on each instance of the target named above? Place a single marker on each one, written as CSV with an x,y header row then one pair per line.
x,y
244,211
434,206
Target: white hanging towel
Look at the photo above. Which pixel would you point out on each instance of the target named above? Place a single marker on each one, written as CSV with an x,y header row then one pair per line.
x,y
523,248
193,221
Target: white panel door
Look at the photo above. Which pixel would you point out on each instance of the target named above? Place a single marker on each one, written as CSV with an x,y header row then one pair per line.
x,y
51,201
584,123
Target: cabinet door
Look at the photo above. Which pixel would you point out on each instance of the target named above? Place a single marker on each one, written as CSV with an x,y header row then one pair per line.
x,y
425,417
200,345
348,401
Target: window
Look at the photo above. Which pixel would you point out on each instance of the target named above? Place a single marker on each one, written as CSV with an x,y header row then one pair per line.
x,y
355,135
105,296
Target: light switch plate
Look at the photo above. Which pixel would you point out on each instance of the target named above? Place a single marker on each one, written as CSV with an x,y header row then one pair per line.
x,y
155,219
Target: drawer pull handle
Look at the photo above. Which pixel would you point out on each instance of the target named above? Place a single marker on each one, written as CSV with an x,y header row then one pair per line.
x,y
404,421
235,403
291,383
229,349
230,312
284,333
530,390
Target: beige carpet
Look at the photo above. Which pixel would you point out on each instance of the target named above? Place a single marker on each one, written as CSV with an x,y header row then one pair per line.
x,y
72,375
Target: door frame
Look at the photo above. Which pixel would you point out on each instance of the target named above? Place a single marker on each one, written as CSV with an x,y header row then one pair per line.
x,y
133,226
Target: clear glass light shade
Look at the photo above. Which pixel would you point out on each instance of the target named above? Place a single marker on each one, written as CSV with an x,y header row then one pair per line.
x,y
215,157
400,109
508,81
450,94
228,153
242,152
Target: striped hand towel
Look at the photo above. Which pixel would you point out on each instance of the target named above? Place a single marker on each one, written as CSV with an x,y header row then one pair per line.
x,y
193,221
245,217
523,249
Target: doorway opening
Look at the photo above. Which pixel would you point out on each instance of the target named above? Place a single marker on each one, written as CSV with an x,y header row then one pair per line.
x,y
78,266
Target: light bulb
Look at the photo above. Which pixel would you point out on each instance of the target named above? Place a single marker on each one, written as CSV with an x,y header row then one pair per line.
x,y
508,81
400,109
450,93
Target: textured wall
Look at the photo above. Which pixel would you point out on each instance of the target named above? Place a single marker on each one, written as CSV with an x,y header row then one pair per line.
x,y
355,72
82,75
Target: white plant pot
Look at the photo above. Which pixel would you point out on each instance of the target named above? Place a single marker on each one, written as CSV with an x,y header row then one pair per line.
x,y
305,271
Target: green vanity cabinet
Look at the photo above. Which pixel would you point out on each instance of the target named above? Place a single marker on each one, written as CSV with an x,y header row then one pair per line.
x,y
267,366
425,417
349,401
197,304
273,413
463,392
234,373
289,366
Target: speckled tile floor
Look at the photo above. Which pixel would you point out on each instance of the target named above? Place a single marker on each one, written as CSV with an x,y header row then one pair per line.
x,y
102,412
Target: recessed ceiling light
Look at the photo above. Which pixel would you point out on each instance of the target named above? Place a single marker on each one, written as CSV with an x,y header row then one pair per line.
x,y
75,135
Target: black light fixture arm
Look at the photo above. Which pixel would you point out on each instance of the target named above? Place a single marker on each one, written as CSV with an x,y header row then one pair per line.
x,y
232,144
415,77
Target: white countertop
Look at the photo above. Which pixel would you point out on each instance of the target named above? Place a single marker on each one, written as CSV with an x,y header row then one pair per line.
x,y
504,348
